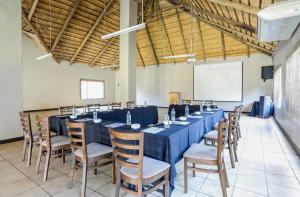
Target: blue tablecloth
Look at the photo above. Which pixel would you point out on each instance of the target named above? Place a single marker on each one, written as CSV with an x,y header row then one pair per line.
x,y
142,115
167,145
255,109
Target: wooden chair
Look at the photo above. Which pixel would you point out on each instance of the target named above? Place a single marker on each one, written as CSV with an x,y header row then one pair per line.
x,y
116,105
49,145
212,137
66,110
130,104
30,139
94,155
238,110
186,102
136,173
210,156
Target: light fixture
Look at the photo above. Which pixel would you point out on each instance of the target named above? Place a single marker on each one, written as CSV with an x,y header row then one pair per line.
x,y
189,55
44,56
124,31
128,29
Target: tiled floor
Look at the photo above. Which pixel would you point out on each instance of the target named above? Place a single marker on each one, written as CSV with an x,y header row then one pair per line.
x,y
267,166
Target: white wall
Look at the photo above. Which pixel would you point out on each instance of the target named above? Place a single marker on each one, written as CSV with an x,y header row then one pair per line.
x,y
10,69
49,85
154,83
280,55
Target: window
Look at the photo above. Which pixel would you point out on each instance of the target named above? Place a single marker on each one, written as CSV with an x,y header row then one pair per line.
x,y
277,87
91,89
292,85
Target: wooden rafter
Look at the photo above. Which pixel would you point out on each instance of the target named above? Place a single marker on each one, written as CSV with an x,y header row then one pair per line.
x,y
165,29
107,6
181,30
141,57
108,44
152,46
248,51
238,6
223,45
201,39
37,36
33,7
65,24
221,18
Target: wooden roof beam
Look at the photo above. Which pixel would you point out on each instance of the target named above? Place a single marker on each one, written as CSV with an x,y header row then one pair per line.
x,y
65,24
238,6
201,39
185,6
37,35
248,51
152,46
181,30
165,29
107,6
141,57
102,51
223,45
33,7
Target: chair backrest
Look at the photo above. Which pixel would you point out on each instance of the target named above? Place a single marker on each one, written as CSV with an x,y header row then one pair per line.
x,y
93,107
222,137
66,110
238,110
128,150
116,105
233,121
130,104
186,102
26,124
77,134
43,128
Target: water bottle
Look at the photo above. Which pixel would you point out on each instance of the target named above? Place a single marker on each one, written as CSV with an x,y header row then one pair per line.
x,y
201,108
167,121
73,111
186,110
173,114
94,114
145,103
128,118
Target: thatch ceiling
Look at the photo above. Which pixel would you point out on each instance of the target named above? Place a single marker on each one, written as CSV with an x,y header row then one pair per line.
x,y
220,28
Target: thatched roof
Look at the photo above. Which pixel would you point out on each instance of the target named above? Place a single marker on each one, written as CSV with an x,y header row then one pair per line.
x,y
220,28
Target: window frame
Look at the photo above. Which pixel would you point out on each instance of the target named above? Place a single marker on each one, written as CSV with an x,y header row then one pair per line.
x,y
91,80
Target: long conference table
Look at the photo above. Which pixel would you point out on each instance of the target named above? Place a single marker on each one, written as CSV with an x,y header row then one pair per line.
x,y
167,145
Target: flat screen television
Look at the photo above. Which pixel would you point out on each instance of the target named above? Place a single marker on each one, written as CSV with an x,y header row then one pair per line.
x,y
267,72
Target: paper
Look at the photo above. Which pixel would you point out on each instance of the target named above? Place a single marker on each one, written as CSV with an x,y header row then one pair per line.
x,y
180,122
115,125
153,130
83,120
196,117
209,112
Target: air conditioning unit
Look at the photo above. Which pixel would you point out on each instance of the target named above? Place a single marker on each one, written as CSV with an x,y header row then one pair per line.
x,y
279,21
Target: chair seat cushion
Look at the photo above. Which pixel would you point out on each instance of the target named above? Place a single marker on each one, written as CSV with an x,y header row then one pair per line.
x,y
94,150
212,134
58,141
151,167
201,151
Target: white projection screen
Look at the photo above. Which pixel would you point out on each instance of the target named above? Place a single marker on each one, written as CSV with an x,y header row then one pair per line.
x,y
219,82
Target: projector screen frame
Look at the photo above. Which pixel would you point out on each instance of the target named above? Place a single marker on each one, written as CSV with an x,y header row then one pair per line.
x,y
242,98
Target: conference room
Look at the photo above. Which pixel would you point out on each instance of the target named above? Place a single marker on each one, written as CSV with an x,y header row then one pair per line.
x,y
174,98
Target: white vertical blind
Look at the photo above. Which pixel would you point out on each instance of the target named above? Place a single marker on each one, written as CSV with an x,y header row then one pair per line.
x,y
91,89
292,85
277,87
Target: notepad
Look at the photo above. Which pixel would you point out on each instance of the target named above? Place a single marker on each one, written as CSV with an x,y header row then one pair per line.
x,y
153,130
180,122
115,125
83,120
196,117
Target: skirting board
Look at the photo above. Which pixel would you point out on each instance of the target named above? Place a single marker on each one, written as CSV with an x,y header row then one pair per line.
x,y
11,140
288,137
